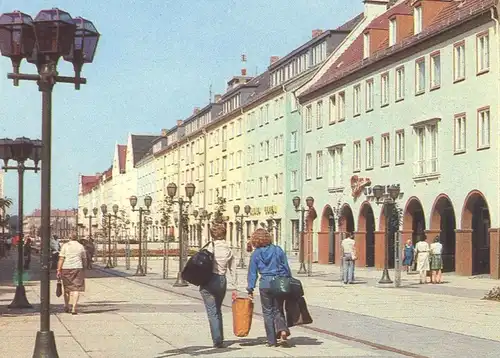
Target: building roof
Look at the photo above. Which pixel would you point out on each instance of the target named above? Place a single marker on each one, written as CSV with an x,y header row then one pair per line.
x,y
141,144
89,182
451,15
351,24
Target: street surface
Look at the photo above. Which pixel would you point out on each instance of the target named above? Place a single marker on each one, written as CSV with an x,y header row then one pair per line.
x,y
126,316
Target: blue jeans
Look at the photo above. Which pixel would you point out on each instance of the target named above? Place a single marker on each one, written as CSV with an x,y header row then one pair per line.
x,y
213,294
348,269
274,315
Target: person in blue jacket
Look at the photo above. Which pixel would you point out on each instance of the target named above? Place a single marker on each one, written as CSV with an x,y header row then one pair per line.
x,y
269,261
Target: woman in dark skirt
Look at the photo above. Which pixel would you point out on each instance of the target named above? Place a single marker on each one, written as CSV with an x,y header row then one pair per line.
x,y
70,269
436,261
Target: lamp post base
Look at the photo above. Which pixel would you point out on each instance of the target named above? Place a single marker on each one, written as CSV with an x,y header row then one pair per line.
x,y
302,268
45,345
241,263
20,300
109,264
179,282
385,277
139,271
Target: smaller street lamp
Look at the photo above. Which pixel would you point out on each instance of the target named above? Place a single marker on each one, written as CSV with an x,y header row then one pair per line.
x,y
239,224
90,217
104,211
201,215
147,203
386,195
171,192
303,210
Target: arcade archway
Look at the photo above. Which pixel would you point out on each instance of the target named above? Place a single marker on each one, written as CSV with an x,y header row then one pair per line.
x,y
443,219
366,224
328,226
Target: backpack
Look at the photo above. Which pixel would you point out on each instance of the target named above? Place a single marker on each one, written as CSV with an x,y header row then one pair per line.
x,y
198,269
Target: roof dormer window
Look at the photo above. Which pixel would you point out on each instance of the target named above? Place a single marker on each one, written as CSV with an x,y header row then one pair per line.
x,y
366,45
392,32
417,20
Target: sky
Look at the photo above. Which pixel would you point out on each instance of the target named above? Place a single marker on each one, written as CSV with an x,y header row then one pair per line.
x,y
155,62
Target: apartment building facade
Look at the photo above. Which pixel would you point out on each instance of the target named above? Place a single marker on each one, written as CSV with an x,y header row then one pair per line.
x,y
409,103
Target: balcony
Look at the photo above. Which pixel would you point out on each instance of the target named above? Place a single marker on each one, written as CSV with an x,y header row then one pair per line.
x,y
425,170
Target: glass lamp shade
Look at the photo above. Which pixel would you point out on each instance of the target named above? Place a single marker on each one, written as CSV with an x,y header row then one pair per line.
x,y
115,209
195,213
378,191
17,36
133,201
22,149
84,43
148,201
190,189
247,209
104,209
310,201
171,190
85,211
36,153
394,191
236,209
6,150
296,202
95,211
7,217
54,32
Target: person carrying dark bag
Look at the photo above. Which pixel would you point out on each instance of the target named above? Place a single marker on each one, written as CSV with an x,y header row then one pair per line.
x,y
27,254
270,262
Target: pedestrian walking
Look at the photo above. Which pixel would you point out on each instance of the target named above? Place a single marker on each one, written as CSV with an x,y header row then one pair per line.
x,y
89,249
436,261
70,270
408,255
349,258
214,291
269,261
422,258
27,253
55,247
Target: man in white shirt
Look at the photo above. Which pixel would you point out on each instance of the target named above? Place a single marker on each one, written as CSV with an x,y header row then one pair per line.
x,y
348,257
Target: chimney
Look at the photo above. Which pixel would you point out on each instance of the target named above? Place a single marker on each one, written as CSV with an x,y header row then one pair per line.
x,y
243,71
274,59
164,132
316,33
217,98
179,122
196,110
374,8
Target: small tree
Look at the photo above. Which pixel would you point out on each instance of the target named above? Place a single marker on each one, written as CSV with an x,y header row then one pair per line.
x,y
220,208
166,214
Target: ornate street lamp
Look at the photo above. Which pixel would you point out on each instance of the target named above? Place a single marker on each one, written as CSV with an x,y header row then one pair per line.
x,y
20,150
247,209
303,210
389,202
147,203
42,41
171,191
104,211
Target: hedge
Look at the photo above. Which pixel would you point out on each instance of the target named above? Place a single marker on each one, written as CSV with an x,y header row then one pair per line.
x,y
150,252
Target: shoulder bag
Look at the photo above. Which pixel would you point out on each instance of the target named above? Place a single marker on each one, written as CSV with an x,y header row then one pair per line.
x,y
198,269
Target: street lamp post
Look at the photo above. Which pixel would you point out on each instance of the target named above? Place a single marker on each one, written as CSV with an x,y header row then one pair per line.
x,y
104,211
20,150
42,41
90,217
302,210
147,203
389,201
171,191
201,215
239,231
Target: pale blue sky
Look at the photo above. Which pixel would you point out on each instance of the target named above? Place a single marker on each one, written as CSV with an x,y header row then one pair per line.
x,y
154,64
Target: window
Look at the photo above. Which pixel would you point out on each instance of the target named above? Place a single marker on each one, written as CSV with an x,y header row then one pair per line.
x,y
319,164
426,149
435,70
293,180
308,167
293,103
356,156
366,45
459,136
341,106
281,144
336,165
400,83
400,147
459,61
239,158
261,186
280,183
384,89
319,114
308,118
332,109
266,150
210,195
385,150
369,95
483,52
392,32
369,153
239,126
417,20
357,100
275,184
420,76
483,129
266,185
294,141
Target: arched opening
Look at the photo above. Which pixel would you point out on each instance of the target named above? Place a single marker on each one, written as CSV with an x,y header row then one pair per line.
x,y
393,228
328,226
414,219
443,219
346,219
476,216
366,223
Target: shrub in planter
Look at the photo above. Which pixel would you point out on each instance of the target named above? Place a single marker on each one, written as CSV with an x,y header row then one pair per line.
x,y
493,294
